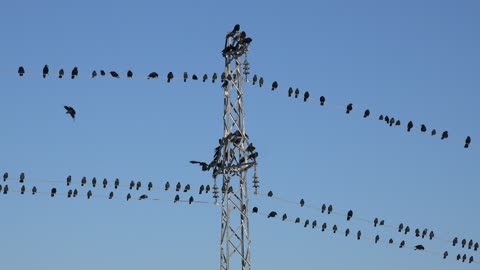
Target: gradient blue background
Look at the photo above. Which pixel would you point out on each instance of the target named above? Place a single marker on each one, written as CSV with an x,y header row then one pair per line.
x,y
414,60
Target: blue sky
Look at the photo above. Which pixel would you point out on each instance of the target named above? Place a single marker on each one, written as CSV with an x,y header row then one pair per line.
x,y
414,60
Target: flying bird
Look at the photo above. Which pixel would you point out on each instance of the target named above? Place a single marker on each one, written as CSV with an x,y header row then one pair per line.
x,y
114,74
21,71
444,135
349,214
297,92
153,75
366,113
129,74
74,72
61,73
71,111
468,140
409,126
45,71
349,107
274,85
169,76
419,247
306,95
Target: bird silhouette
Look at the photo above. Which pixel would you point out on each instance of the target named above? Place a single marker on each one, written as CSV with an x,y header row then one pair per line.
x,y
324,207
377,238
167,185
359,235
470,244
5,176
290,92
105,182
117,183
84,181
214,77
21,71
236,28
94,181
205,77
114,74
74,72
194,77
110,196
22,189
444,135
284,217
260,82
445,254
349,107
431,235
387,119
375,222
475,246
69,193
409,126
53,192
459,257
400,227
150,186
69,180
254,80
75,193
177,198
272,214
274,85
5,189
297,220
255,209
402,244
129,197
470,260
250,148
71,111
190,200
334,228
330,209
45,71
129,74
417,232
314,224
382,222
61,72
207,188
398,123
222,77
324,226
423,128
464,257
185,76
468,140
306,95
102,72
132,184
347,232
94,74
322,100
434,132
153,75
392,121
302,203
455,241
464,242
270,194
178,187
139,185
187,188
143,197
22,177
169,76
89,194
366,113
419,247
424,233
380,117
349,214
297,92
306,223
34,190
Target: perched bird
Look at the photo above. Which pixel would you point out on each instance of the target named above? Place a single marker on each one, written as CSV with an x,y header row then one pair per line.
x,y
455,241
297,220
53,192
464,242
297,92
153,75
69,193
89,194
434,132
290,92
260,82
468,140
314,224
177,198
22,177
270,194
306,223
423,128
470,244
324,226
330,209
382,222
150,186
117,183
366,113
445,254
45,71
375,222
185,76
419,247
74,72
417,232
5,176
254,80
129,74
322,100
392,121
464,257
409,126
272,214
178,187
250,148
205,77
380,117
459,257
110,196
114,74
302,203
359,235
223,76
169,76
129,197
274,85
22,189
236,28
34,190
387,119
94,74
69,180
187,188
194,77
202,188
71,111
424,233
431,235
255,209
284,217
21,71
5,189
139,185
214,77
347,232
349,107
400,227
390,241
61,73
132,184
397,123
402,244
190,200
470,260
324,207
167,185
377,238
102,72
306,95
75,193
349,214
94,181
105,182
143,197
444,135
334,228
475,247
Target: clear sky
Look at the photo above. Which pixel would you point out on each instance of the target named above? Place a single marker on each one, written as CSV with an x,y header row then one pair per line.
x,y
413,60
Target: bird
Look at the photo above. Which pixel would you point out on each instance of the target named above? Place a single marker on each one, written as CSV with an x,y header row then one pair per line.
x,y
359,235
105,182
468,140
214,77
21,71
306,223
322,100
349,107
324,207
143,197
94,74
205,77
306,95
284,217
434,132
254,80
153,75
22,177
455,241
330,209
34,190
272,214
250,148
75,193
69,193
377,238
419,247
270,194
375,222
392,121
236,28
110,196
5,176
402,244
89,194
69,180
84,181
139,185
94,181
167,185
178,187
187,188
464,257
260,82
222,78
423,128
444,135
445,254
190,200
324,226
117,183
61,73
22,189
459,257
74,72
409,126
424,233
290,92
334,228
5,189
347,232
169,76
470,244
387,119
382,222
150,186
297,220
400,227
366,113
470,260
397,123
431,235
194,77
71,111
45,71
314,224
132,184
417,232
390,241
129,197
297,92
255,209
380,117
349,214
475,247
129,74
185,76
407,229
274,85
114,74
464,242
302,203
177,198
53,192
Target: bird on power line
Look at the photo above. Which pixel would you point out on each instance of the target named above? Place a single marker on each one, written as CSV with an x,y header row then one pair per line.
x,y
61,72
190,200
397,123
306,223
143,197
74,72
22,177
290,92
270,194
347,232
177,198
402,244
205,77
434,132
302,203
424,233
366,113
34,190
83,181
377,238
417,232
382,222
464,257
349,107
324,226
114,74
445,254
274,85
444,135
390,241
423,128
5,176
94,74
71,111
306,95
194,77
69,180
45,71
178,187
150,186
314,224
139,185
21,71
470,260
409,126
89,194
167,185
254,80
297,220
110,196
105,182
260,82
75,193
431,235
459,257
322,100
380,117
117,183
359,235
169,76
94,181
187,188
470,244
475,247
22,189
132,184
185,76
419,247
5,189
464,242
392,121
387,119
69,193
468,140
214,77
375,222
153,75
102,72
349,214
255,209
330,209
334,228
400,227
202,188
129,197
129,74
53,192
324,207
284,217
297,92
455,241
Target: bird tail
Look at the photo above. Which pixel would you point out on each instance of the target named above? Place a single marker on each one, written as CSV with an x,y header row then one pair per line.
x,y
168,80
466,145
44,75
73,77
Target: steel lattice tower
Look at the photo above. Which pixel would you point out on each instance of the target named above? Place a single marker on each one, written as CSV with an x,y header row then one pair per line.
x,y
235,159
